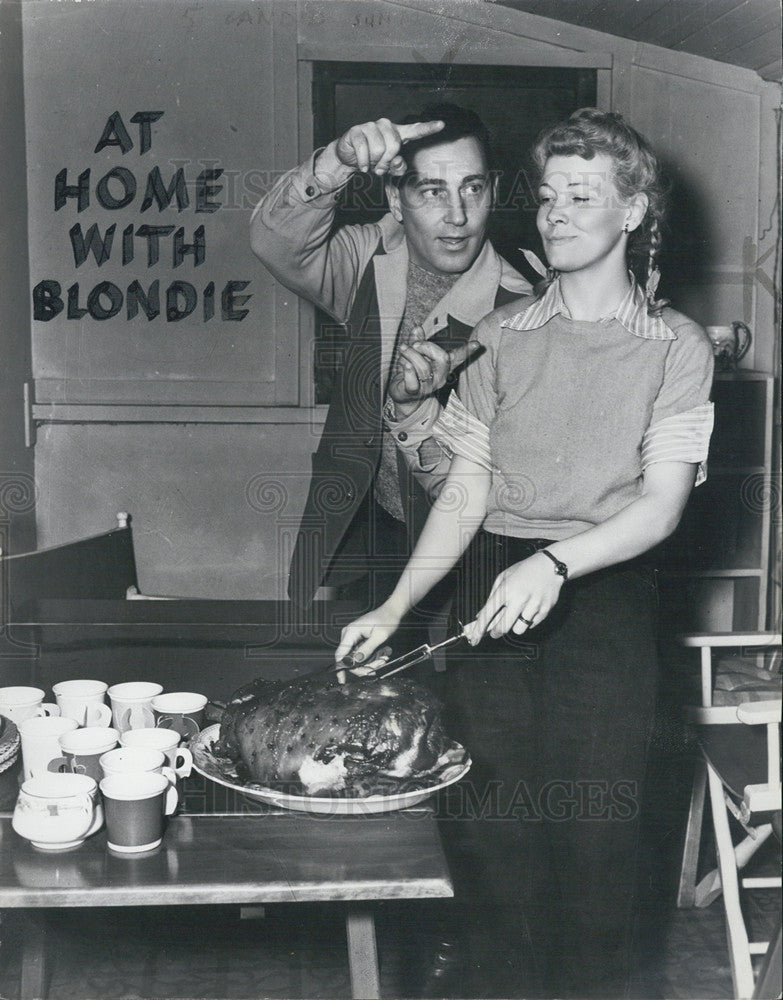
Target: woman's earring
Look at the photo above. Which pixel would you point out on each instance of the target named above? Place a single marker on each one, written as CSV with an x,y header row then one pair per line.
x,y
625,228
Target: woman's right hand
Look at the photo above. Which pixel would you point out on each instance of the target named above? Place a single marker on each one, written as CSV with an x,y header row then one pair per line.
x,y
362,637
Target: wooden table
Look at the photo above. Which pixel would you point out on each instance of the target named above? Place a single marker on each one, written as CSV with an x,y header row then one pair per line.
x,y
256,858
224,848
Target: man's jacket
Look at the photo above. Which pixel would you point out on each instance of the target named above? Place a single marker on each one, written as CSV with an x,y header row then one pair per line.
x,y
358,275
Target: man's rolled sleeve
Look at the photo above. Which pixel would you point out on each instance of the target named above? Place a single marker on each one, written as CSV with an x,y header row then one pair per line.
x,y
291,233
410,431
413,435
301,186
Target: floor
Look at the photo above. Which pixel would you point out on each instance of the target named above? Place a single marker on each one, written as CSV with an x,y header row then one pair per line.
x,y
178,953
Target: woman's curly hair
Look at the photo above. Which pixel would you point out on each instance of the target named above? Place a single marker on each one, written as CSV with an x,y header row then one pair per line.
x,y
589,131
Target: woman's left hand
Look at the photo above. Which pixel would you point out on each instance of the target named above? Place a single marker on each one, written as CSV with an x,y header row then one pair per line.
x,y
521,598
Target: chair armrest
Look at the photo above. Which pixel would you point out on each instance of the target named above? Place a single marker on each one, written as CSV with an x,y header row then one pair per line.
x,y
712,715
757,713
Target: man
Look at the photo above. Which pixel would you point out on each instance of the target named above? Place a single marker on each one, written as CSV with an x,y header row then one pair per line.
x,y
407,291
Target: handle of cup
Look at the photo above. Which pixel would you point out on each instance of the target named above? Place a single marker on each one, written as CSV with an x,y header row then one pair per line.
x,y
48,708
744,338
59,765
142,717
87,803
97,715
184,762
172,797
97,821
191,726
136,717
170,773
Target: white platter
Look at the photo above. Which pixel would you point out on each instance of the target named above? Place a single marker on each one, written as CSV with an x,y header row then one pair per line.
x,y
452,766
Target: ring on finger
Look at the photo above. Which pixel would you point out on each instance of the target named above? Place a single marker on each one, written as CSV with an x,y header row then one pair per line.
x,y
426,378
527,621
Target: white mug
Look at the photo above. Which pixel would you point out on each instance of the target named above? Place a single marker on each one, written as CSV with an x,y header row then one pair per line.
x,y
40,737
131,704
180,710
83,701
180,759
82,749
57,811
20,703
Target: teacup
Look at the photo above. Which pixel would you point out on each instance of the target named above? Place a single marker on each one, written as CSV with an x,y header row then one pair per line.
x,y
83,701
180,759
131,704
56,812
20,703
40,736
180,710
135,807
82,750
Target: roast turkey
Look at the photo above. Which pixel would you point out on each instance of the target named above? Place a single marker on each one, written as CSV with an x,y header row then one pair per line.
x,y
316,736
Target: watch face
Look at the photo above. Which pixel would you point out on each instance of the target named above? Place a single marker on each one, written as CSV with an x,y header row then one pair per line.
x,y
560,567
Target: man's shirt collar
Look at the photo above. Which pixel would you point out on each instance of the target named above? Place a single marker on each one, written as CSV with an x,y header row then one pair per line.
x,y
631,314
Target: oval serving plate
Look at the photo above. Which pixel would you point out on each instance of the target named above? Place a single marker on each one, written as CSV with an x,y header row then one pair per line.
x,y
453,765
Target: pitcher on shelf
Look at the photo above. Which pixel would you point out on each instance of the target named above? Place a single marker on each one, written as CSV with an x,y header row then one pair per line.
x,y
730,344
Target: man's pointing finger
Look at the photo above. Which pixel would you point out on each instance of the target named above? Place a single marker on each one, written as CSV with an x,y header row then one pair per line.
x,y
418,130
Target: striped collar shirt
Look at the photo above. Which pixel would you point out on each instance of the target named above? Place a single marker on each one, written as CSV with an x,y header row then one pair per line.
x,y
631,313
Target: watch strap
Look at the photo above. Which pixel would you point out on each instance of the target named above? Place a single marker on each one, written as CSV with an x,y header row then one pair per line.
x,y
560,567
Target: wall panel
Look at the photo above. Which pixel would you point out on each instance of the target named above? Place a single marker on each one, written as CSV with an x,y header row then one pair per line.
x,y
214,507
715,196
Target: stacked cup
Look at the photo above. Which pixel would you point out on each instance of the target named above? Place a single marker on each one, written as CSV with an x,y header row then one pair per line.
x,y
58,805
139,791
139,785
71,748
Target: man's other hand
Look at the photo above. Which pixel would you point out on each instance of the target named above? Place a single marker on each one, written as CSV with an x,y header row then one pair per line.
x,y
422,368
375,146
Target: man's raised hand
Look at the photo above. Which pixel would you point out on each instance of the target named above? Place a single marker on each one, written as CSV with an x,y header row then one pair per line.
x,y
375,146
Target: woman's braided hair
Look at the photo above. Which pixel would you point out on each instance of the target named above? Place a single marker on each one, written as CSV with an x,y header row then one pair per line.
x,y
589,131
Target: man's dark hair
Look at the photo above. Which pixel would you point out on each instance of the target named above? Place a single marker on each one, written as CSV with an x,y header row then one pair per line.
x,y
459,123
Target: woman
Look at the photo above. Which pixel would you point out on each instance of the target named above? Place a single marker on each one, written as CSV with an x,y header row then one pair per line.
x,y
583,427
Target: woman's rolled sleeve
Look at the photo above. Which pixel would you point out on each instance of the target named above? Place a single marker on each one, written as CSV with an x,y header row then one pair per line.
x,y
687,380
682,416
683,437
460,433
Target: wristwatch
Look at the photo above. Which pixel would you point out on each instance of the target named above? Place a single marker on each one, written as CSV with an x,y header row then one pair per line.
x,y
560,567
